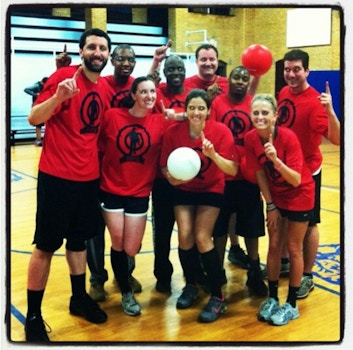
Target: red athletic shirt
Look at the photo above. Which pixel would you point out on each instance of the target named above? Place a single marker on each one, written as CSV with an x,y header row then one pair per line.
x,y
131,152
175,101
210,178
304,114
237,117
194,82
116,92
70,141
284,195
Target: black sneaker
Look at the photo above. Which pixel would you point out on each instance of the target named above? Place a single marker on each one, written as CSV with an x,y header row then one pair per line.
x,y
35,329
255,282
187,297
214,308
238,257
163,287
86,307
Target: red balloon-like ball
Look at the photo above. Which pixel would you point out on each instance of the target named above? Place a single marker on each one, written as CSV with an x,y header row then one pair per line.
x,y
257,59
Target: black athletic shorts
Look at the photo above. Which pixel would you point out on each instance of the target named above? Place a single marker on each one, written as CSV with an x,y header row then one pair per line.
x,y
211,199
128,204
244,199
65,209
315,217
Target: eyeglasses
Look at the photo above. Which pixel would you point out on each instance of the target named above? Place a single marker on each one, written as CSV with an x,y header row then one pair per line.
x,y
122,59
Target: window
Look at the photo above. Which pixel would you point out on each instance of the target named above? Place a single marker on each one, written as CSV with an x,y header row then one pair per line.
x,y
222,11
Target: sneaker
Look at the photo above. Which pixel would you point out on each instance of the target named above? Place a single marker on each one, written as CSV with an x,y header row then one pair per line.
x,y
187,297
255,282
35,329
286,313
86,307
214,308
306,286
267,308
97,292
163,287
130,305
284,272
38,143
135,284
238,257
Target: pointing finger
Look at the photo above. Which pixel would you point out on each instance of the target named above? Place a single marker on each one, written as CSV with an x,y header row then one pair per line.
x,y
169,43
327,86
270,139
65,48
162,106
202,135
77,73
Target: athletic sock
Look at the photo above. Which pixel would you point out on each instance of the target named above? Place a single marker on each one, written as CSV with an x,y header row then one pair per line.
x,y
120,266
292,295
78,285
212,266
273,289
34,300
188,260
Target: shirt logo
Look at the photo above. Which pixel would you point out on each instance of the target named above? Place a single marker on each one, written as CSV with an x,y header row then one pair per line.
x,y
133,141
91,112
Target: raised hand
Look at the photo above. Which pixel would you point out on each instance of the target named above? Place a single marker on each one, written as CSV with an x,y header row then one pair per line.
x,y
68,87
63,59
161,52
270,150
207,146
169,113
326,98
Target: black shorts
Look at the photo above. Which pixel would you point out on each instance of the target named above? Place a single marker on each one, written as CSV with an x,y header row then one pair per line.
x,y
211,199
128,204
65,209
297,216
315,216
244,199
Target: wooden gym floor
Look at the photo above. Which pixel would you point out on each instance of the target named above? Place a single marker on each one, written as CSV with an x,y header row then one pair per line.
x,y
322,313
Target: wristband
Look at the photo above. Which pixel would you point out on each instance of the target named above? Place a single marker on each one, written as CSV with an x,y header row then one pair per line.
x,y
270,206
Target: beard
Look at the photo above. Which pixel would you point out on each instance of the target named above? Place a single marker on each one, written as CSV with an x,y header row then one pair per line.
x,y
94,68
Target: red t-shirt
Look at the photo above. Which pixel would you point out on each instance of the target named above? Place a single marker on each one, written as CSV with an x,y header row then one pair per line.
x,y
284,195
210,178
70,142
194,82
131,152
304,114
117,91
175,101
237,117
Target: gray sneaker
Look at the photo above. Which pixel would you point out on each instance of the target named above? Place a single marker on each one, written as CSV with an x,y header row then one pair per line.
x,y
130,305
306,286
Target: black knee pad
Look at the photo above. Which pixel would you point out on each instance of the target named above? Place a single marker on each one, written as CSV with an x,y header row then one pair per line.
x,y
76,245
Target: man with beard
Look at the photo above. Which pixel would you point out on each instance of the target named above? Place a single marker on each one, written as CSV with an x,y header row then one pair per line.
x,y
72,106
242,210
